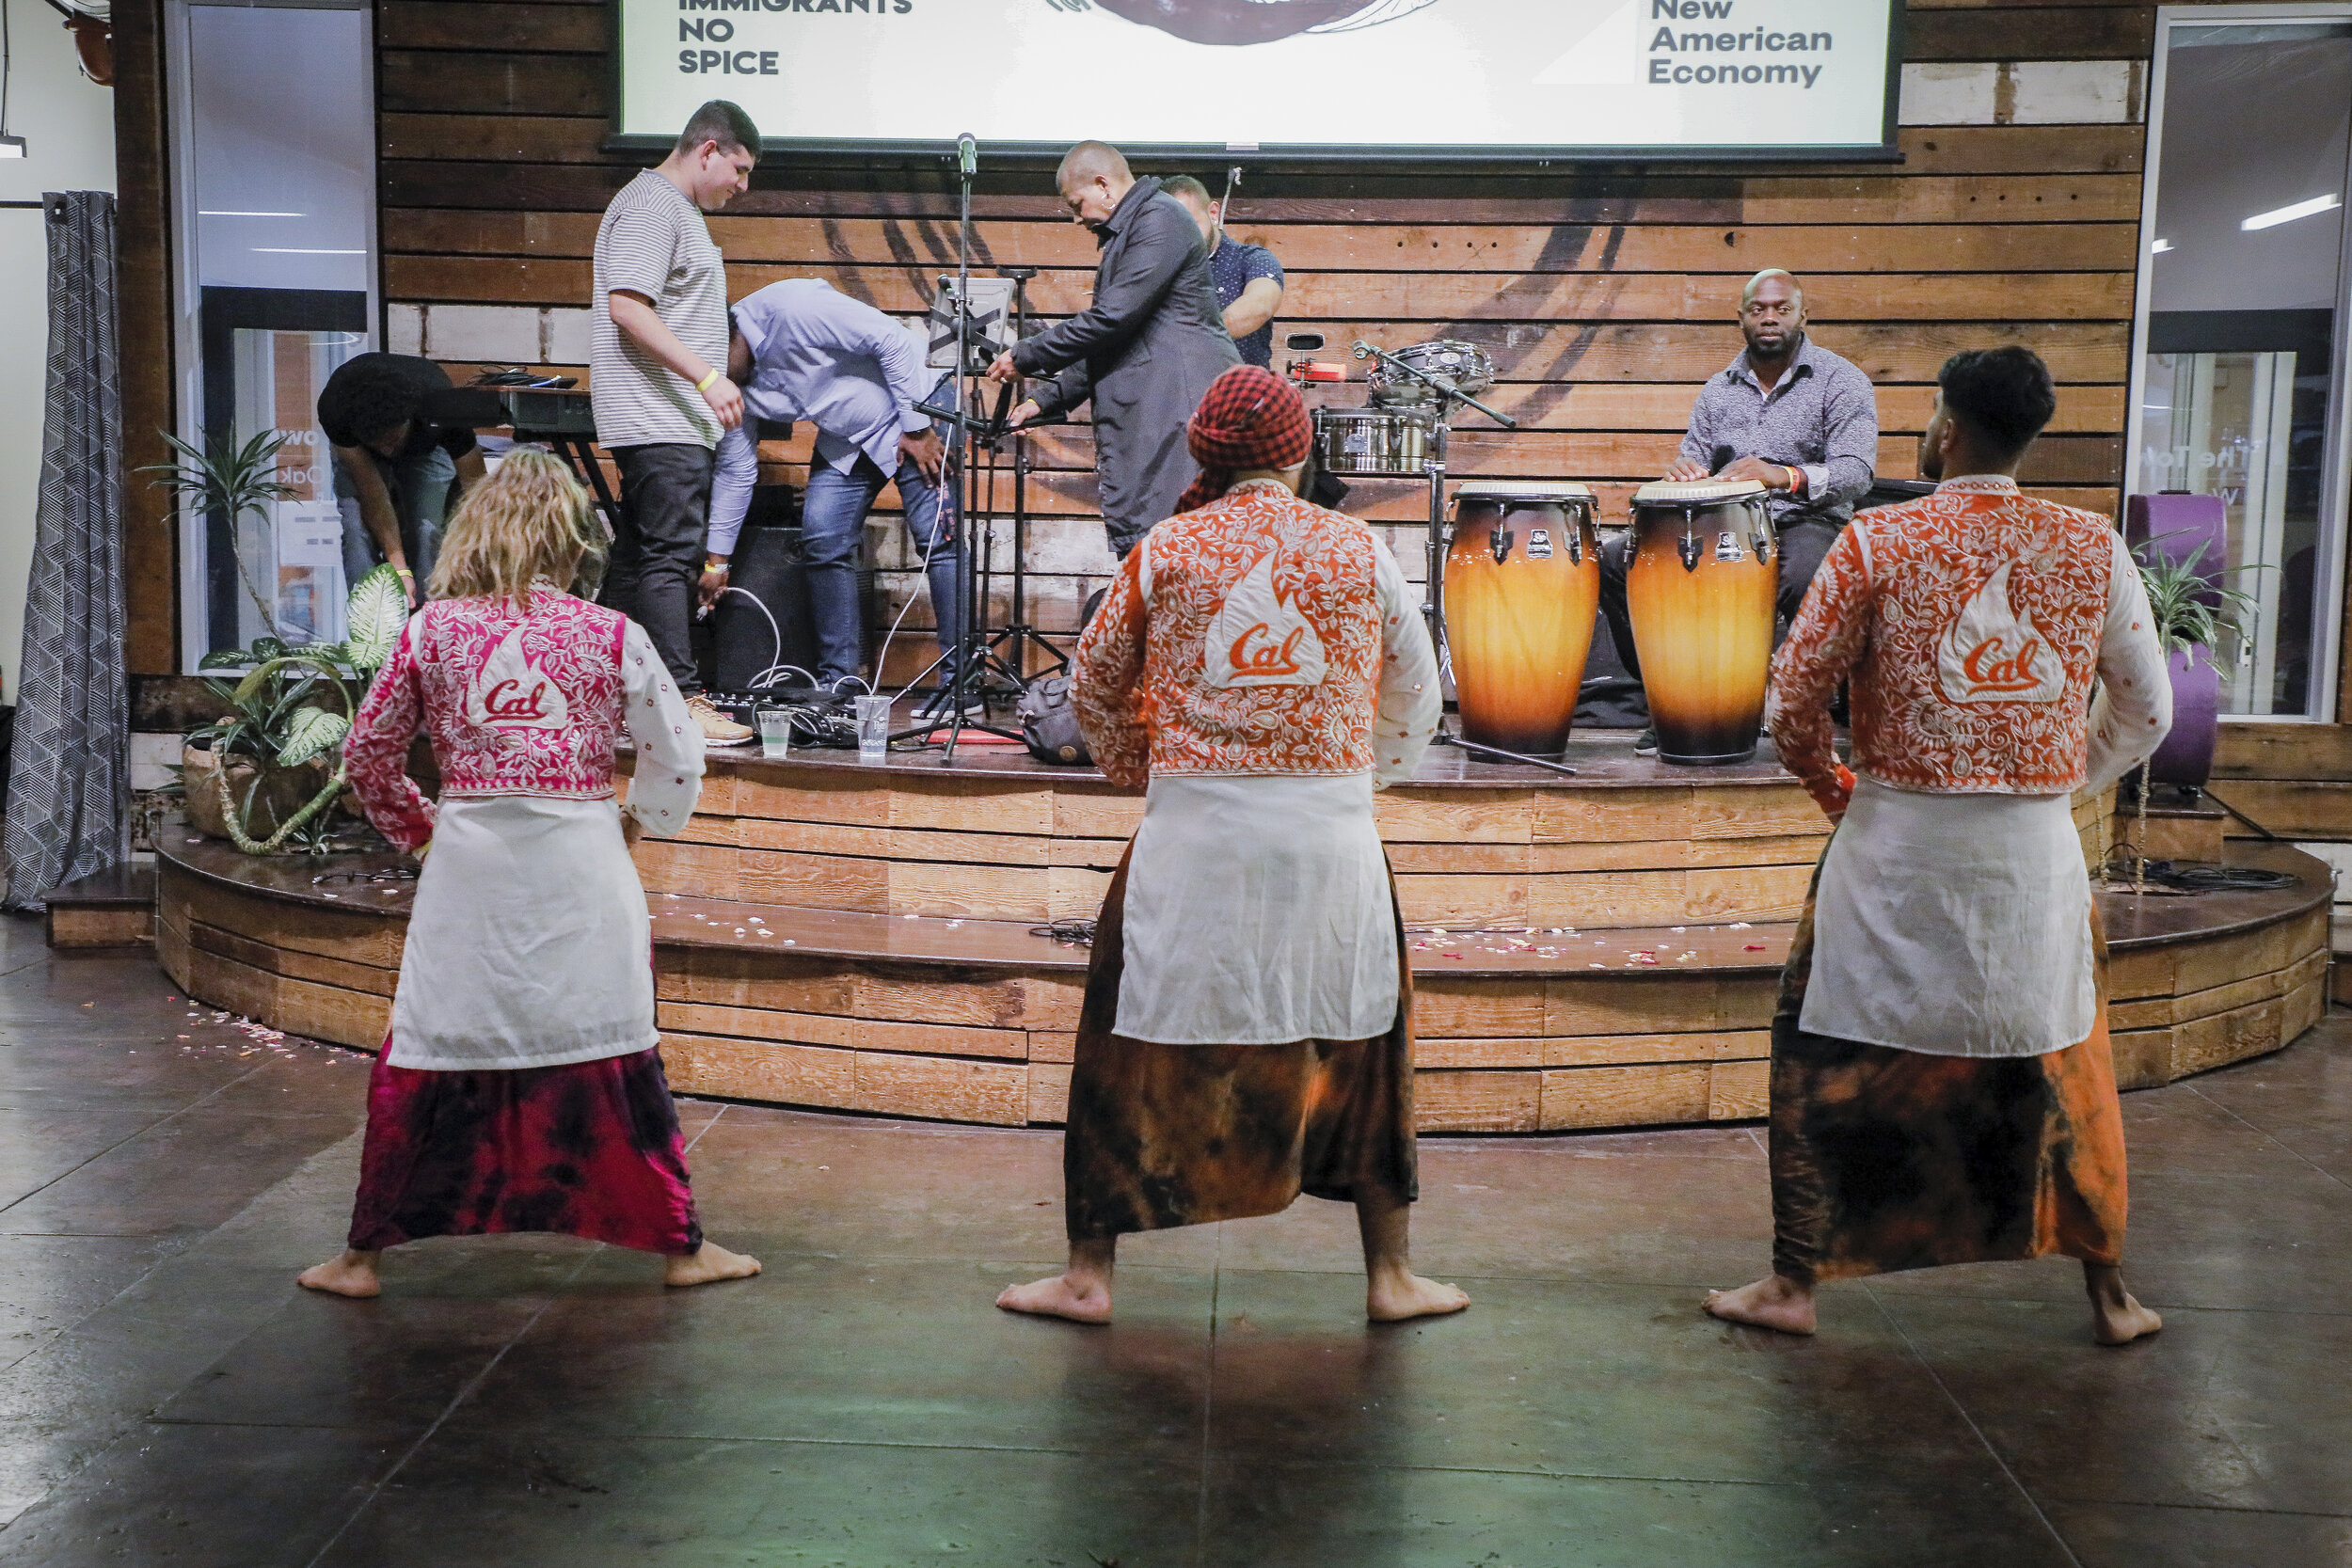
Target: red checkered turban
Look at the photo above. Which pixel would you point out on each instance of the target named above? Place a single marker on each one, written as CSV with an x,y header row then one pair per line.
x,y
1250,418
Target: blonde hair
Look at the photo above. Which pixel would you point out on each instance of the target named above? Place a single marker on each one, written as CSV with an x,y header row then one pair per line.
x,y
530,519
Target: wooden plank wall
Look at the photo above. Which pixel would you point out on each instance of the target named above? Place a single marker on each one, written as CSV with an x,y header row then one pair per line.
x,y
1605,296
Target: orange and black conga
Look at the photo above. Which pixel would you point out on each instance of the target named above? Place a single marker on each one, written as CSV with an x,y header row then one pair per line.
x,y
1523,578
1700,590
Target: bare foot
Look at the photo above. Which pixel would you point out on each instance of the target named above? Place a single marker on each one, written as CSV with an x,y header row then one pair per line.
x,y
1771,1302
351,1275
1395,1301
707,1266
1082,1301
2116,1318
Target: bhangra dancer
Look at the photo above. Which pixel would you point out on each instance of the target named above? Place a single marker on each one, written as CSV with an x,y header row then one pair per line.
x,y
1259,668
520,1087
1942,1086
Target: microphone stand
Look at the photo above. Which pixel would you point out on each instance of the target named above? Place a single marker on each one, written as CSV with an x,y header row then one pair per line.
x,y
1448,394
965,676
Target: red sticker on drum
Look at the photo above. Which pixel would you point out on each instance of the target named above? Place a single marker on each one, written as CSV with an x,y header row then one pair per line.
x,y
1991,654
1256,638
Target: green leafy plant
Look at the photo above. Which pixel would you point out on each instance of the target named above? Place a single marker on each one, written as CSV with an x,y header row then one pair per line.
x,y
233,480
292,708
2177,592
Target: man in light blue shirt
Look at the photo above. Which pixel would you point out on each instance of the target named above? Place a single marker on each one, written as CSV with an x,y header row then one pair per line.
x,y
802,350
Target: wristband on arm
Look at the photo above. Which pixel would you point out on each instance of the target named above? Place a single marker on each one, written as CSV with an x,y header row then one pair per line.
x,y
704,385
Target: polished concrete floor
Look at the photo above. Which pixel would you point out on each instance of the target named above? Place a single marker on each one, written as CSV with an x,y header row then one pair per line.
x,y
167,1396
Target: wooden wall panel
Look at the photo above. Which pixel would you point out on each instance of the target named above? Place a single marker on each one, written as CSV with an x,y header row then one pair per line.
x,y
143,289
1604,293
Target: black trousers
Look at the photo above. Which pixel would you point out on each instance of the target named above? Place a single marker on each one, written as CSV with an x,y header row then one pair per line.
x,y
658,547
1801,546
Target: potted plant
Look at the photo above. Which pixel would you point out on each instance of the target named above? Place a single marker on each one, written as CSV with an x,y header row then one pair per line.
x,y
259,775
2191,611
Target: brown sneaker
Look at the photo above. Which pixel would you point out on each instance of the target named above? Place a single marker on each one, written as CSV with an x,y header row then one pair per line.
x,y
718,729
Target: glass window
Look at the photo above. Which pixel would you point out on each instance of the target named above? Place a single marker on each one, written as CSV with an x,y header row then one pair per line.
x,y
2242,350
277,270
288,562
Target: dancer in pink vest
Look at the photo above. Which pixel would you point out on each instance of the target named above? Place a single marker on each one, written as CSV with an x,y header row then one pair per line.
x,y
520,1087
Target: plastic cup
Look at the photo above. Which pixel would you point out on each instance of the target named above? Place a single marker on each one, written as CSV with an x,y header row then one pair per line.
x,y
873,728
776,731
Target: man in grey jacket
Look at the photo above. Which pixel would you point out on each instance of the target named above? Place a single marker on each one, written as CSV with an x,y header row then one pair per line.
x,y
1144,352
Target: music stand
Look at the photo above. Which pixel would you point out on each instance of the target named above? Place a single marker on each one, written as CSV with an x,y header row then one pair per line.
x,y
1009,648
971,652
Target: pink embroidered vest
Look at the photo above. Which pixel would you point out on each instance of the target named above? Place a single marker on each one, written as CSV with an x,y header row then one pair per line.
x,y
520,704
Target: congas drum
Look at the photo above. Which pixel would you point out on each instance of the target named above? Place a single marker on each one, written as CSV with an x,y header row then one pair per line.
x,y
1522,581
1374,441
1700,590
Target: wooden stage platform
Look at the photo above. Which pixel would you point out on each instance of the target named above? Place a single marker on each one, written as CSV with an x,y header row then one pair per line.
x,y
1598,951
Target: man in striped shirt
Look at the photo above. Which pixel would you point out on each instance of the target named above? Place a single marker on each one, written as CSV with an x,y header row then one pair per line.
x,y
659,379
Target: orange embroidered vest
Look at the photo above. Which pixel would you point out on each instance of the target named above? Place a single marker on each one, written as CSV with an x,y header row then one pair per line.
x,y
1980,610
1250,630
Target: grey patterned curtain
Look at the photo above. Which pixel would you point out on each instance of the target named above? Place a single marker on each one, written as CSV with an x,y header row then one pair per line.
x,y
68,774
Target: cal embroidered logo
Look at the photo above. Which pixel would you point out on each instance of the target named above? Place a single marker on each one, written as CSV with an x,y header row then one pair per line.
x,y
1991,654
511,692
1257,638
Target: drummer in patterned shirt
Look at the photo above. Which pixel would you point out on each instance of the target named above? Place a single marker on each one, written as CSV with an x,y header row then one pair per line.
x,y
1248,280
1788,413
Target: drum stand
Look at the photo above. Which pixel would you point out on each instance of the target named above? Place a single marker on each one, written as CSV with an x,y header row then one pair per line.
x,y
1432,598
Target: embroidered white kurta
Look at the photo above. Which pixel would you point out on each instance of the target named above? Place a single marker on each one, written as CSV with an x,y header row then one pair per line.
x,y
530,944
1258,907
1959,925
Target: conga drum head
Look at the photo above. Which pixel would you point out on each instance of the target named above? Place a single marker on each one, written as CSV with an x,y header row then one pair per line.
x,y
1522,584
1701,589
1700,492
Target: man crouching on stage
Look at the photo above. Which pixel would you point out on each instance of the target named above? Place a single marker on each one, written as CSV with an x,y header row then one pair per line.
x,y
1942,1087
1260,665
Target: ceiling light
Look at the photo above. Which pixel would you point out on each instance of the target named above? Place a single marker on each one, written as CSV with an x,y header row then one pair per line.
x,y
12,147
216,212
2159,247
2288,214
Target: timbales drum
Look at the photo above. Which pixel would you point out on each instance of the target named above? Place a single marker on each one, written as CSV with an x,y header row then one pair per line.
x,y
1700,589
1394,441
1461,365
1522,581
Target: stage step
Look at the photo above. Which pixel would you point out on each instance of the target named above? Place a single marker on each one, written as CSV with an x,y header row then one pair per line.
x,y
964,1019
722,925
106,909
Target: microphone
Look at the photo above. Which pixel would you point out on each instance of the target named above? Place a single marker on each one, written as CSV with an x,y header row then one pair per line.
x,y
1720,459
967,153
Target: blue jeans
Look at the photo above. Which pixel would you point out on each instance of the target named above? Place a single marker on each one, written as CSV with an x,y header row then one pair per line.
x,y
833,537
420,488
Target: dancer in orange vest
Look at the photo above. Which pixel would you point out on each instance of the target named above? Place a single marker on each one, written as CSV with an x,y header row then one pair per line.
x,y
1942,1087
1260,665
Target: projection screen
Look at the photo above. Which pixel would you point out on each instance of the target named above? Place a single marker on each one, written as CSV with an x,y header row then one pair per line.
x,y
1341,79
